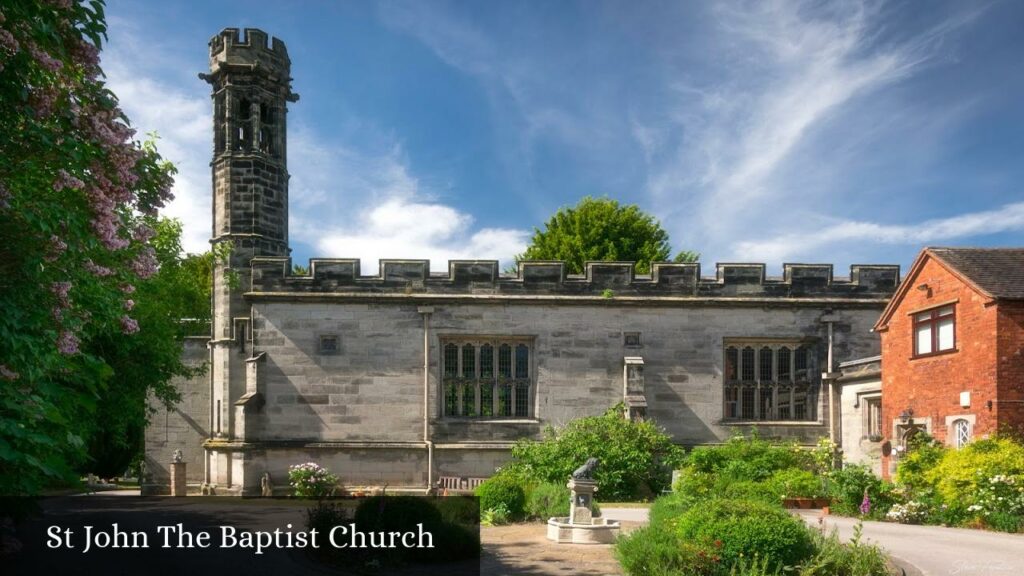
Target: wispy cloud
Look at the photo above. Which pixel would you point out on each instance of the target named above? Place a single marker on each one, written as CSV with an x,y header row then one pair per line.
x,y
789,70
781,248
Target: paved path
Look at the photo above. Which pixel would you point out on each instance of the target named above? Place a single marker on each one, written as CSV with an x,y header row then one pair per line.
x,y
936,550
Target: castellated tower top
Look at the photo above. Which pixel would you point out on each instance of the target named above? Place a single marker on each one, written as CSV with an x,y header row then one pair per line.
x,y
247,50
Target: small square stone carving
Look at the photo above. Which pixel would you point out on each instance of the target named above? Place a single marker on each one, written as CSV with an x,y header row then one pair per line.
x,y
632,339
328,344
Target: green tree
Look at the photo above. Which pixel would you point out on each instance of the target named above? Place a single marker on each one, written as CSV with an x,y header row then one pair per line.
x,y
599,229
635,458
76,190
169,306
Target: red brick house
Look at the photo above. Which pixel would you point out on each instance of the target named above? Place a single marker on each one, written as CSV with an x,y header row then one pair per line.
x,y
953,348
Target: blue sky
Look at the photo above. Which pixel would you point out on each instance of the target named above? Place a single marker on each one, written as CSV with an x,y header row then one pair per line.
x,y
853,132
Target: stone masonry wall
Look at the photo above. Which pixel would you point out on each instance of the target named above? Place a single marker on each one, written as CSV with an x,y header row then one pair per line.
x,y
184,427
371,389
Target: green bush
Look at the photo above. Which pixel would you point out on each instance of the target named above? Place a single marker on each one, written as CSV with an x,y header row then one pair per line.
x,y
656,551
834,558
847,485
749,458
666,510
636,458
925,453
694,482
795,483
505,490
452,540
547,500
960,474
745,528
747,490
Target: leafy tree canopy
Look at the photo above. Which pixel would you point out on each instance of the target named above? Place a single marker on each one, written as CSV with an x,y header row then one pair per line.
x,y
600,229
77,197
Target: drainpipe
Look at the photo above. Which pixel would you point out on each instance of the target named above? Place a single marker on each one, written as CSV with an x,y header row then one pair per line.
x,y
830,376
426,311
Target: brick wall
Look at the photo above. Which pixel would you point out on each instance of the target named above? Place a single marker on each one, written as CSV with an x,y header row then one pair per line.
x,y
931,386
1010,370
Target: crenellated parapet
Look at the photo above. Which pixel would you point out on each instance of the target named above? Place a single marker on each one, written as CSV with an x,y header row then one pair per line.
x,y
272,276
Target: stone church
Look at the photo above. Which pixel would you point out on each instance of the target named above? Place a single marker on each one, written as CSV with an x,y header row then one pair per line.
x,y
408,376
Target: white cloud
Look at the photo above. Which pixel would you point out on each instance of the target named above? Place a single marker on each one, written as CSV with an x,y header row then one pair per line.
x,y
365,204
346,200
182,120
1007,218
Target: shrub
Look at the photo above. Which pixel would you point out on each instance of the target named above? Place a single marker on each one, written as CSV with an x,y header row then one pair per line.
x,y
635,457
961,474
667,509
747,528
656,551
452,541
743,458
913,512
323,517
925,453
834,558
495,516
310,480
547,500
504,490
847,485
694,482
795,483
747,490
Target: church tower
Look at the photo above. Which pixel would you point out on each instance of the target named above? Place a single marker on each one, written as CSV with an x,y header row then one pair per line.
x,y
251,88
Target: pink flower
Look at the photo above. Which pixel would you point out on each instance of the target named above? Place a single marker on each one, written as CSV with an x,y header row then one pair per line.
x,y
97,270
44,59
57,247
129,325
145,265
65,180
8,374
8,44
129,304
143,233
61,290
67,343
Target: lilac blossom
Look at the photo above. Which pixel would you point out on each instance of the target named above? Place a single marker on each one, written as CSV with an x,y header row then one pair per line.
x,y
8,374
129,325
67,343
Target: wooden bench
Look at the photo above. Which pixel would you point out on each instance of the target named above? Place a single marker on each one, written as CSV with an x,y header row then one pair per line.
x,y
458,484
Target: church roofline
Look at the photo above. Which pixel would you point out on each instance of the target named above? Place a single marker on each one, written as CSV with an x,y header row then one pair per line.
x,y
272,277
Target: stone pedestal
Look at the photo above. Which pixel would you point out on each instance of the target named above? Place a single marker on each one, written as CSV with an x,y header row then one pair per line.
x,y
581,497
178,486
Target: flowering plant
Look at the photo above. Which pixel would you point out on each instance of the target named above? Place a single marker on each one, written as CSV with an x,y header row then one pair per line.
x,y
1001,493
310,480
913,512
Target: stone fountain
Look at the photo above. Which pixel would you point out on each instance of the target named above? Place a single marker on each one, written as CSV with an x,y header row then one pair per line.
x,y
580,527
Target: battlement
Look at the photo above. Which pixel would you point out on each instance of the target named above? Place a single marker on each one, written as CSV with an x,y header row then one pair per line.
x,y
250,47
601,279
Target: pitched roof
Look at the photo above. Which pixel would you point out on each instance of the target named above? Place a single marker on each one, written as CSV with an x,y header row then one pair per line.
x,y
998,272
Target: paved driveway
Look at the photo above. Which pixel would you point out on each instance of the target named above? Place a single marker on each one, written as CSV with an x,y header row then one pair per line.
x,y
935,550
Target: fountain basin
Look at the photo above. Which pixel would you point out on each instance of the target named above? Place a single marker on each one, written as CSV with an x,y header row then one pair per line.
x,y
599,531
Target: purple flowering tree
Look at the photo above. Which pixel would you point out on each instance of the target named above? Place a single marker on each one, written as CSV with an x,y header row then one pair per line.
x,y
78,198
